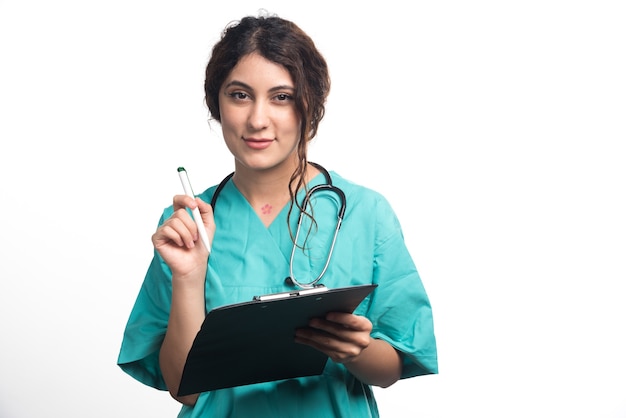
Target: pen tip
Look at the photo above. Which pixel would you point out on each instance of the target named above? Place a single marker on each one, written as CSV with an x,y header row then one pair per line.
x,y
181,169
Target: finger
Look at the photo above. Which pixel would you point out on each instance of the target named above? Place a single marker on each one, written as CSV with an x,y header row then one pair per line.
x,y
359,336
206,211
351,321
165,235
317,339
338,350
188,226
183,201
179,229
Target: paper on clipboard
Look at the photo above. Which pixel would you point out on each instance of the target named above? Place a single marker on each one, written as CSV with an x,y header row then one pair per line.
x,y
253,342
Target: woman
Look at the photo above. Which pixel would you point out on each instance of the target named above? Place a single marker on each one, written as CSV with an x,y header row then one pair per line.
x,y
266,84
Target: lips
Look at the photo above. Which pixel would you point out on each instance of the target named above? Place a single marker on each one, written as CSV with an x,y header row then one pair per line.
x,y
258,144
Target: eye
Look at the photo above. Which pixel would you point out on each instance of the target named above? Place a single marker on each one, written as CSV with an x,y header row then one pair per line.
x,y
239,95
283,97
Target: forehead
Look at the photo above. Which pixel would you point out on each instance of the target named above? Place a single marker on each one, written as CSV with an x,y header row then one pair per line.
x,y
259,72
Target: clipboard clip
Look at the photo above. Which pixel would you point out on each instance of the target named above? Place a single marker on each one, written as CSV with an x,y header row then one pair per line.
x,y
320,288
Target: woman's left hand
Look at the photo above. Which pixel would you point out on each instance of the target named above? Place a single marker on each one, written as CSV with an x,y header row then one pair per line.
x,y
341,336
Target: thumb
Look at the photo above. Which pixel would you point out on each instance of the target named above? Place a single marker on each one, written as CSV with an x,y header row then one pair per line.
x,y
206,211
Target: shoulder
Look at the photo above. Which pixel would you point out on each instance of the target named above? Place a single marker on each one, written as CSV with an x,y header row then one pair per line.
x,y
369,213
360,194
367,205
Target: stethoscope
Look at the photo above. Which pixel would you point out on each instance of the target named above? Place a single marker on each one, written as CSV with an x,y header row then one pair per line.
x,y
329,187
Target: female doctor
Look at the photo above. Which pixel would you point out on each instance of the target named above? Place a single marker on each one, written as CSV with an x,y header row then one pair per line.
x,y
266,84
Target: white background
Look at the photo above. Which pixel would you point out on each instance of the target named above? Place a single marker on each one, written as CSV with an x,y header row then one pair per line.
x,y
496,129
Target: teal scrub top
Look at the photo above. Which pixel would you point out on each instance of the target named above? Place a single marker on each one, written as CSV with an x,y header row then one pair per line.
x,y
249,259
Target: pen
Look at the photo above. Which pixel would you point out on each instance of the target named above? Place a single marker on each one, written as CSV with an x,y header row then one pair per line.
x,y
184,179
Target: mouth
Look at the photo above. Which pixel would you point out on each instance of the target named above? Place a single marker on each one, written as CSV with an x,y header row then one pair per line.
x,y
258,143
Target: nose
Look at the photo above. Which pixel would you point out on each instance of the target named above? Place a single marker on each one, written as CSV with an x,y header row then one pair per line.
x,y
258,118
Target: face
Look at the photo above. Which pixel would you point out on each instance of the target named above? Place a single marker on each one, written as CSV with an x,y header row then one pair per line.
x,y
258,115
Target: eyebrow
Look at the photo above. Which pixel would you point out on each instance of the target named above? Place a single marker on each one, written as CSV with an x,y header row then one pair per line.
x,y
246,86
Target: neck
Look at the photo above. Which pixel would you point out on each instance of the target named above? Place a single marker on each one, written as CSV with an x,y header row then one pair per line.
x,y
265,184
267,191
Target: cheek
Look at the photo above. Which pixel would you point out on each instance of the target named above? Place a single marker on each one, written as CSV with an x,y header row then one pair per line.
x,y
230,120
291,122
227,116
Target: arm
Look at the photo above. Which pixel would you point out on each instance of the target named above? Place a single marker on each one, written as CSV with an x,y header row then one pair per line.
x,y
177,242
346,339
186,315
379,364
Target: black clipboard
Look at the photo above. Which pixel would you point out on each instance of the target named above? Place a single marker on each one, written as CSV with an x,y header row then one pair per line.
x,y
253,342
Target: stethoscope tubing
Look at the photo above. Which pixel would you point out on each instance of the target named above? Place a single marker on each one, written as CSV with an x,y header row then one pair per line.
x,y
305,202
340,215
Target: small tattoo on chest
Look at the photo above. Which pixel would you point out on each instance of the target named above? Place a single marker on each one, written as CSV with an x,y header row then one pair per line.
x,y
267,208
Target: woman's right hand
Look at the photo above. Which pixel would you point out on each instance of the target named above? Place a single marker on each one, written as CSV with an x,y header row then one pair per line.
x,y
177,240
